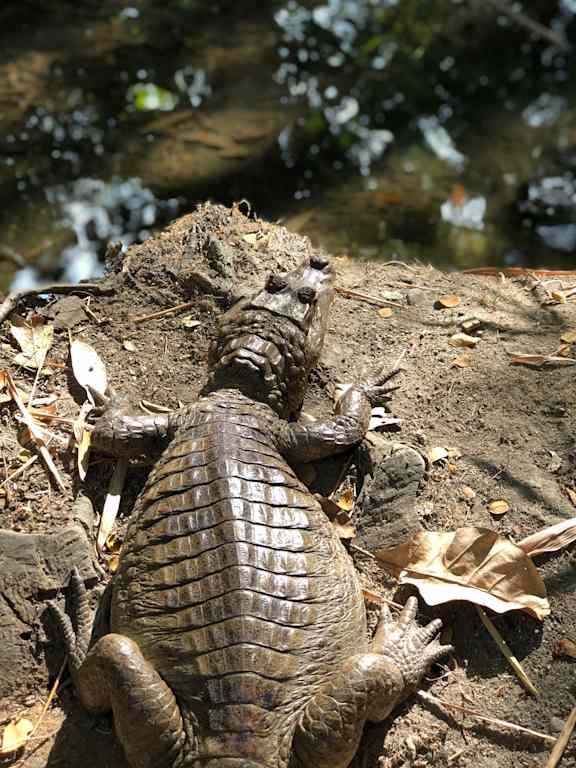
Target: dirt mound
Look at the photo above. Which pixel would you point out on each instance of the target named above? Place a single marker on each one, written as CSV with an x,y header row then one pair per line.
x,y
509,430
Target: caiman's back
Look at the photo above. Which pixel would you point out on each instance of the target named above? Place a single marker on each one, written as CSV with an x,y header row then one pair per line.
x,y
237,626
230,577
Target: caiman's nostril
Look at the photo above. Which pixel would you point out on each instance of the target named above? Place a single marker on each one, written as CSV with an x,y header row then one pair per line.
x,y
306,295
319,262
276,283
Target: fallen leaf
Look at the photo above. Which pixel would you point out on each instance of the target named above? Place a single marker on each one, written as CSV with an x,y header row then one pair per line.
x,y
564,647
498,507
83,453
473,564
346,500
448,302
550,539
463,340
88,368
564,350
15,735
111,503
129,346
571,493
468,493
462,361
386,312
113,563
569,337
558,296
437,454
189,322
536,361
34,338
471,324
339,518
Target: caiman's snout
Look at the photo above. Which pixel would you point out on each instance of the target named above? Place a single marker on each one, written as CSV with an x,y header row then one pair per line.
x,y
268,343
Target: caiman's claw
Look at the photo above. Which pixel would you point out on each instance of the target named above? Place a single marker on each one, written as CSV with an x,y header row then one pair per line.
x,y
411,647
75,631
378,389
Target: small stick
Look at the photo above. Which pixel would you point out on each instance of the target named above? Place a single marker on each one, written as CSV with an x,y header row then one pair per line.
x,y
492,720
163,312
531,25
347,293
34,433
51,695
507,653
11,301
563,739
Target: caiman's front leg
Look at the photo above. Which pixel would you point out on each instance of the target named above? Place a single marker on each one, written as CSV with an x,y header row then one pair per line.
x,y
121,433
308,442
368,687
114,676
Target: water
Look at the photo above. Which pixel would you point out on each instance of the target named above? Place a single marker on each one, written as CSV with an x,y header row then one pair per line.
x,y
439,131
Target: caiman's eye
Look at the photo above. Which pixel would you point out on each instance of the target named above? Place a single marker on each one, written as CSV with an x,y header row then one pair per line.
x,y
276,283
306,295
319,262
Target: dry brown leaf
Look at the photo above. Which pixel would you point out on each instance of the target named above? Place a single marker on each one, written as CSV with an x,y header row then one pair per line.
x,y
571,493
437,454
113,563
564,647
558,296
473,564
15,735
34,338
498,507
339,518
536,361
129,346
449,302
550,539
346,500
83,453
88,368
386,312
468,493
569,337
463,340
462,361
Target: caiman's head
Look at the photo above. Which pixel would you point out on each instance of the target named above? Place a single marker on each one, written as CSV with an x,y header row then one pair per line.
x,y
267,344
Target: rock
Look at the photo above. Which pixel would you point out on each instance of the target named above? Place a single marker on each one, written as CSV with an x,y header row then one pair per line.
x,y
33,569
386,506
416,297
67,312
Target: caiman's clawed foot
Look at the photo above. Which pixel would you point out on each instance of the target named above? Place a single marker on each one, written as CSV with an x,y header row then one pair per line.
x,y
412,648
378,389
75,631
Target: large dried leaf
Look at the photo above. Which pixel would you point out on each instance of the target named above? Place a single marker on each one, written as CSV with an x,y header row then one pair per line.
x,y
473,564
550,539
89,370
112,503
34,338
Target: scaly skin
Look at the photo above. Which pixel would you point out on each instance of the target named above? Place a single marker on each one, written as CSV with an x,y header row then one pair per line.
x,y
238,632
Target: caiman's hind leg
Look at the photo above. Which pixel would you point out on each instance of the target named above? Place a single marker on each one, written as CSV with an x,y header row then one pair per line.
x,y
113,675
369,687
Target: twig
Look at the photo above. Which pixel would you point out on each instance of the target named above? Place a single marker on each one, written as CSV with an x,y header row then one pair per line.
x,y
51,695
563,739
34,432
347,293
493,720
20,470
163,312
531,24
11,301
507,653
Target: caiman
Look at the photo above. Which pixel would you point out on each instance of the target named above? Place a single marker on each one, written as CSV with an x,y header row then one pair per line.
x,y
238,631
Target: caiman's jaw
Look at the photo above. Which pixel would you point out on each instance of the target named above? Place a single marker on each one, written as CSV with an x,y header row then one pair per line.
x,y
267,344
